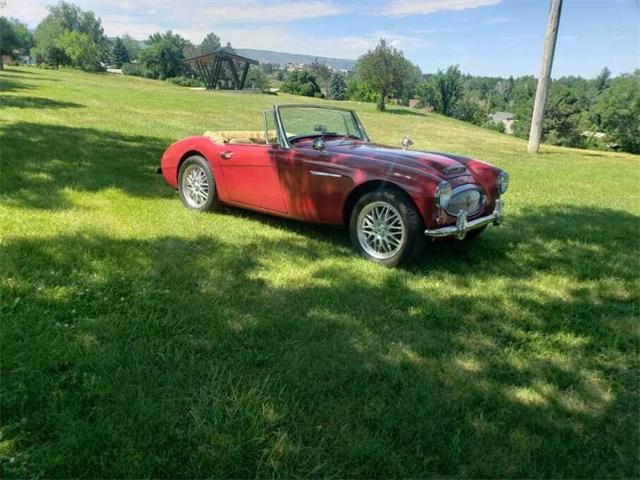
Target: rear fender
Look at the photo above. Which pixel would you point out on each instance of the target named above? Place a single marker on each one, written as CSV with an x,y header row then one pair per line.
x,y
181,150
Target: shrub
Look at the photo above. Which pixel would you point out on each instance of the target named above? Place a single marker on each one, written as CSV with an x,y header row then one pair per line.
x,y
497,126
186,81
360,91
132,69
467,110
301,83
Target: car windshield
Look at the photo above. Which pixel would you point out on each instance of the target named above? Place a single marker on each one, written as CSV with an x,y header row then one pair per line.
x,y
310,121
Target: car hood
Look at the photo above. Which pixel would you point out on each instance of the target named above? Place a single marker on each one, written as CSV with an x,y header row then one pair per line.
x,y
438,164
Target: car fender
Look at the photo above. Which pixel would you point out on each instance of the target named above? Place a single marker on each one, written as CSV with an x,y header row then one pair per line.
x,y
179,151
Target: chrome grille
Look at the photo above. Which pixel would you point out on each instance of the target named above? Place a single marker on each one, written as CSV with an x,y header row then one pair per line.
x,y
466,197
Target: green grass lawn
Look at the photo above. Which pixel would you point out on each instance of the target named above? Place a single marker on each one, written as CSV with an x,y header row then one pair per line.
x,y
140,339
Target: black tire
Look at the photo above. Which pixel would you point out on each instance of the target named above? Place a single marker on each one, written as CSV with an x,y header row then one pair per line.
x,y
473,234
201,166
413,239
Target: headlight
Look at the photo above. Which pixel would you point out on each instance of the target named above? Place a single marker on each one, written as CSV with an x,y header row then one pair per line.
x,y
503,182
443,194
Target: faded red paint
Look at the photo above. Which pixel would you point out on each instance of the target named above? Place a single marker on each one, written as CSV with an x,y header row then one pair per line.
x,y
272,179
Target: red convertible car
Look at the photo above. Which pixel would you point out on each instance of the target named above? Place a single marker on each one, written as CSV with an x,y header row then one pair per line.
x,y
317,164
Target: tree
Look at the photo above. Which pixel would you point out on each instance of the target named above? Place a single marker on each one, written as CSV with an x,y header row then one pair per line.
x,y
8,39
163,56
562,117
618,109
66,17
81,50
256,78
322,72
73,18
132,45
407,87
301,82
228,48
338,87
383,69
47,49
23,34
120,53
468,109
522,94
210,44
189,50
443,90
449,88
602,80
360,91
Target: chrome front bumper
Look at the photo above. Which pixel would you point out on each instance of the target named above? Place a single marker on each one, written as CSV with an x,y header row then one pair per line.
x,y
462,226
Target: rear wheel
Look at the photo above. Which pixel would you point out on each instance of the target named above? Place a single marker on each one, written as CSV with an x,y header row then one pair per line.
x,y
196,185
386,227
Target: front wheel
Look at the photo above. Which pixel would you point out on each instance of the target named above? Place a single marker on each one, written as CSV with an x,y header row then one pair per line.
x,y
386,227
196,185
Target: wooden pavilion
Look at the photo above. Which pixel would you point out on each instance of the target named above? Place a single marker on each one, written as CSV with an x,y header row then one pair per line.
x,y
221,69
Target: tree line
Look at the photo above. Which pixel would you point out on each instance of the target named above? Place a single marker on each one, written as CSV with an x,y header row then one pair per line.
x,y
603,112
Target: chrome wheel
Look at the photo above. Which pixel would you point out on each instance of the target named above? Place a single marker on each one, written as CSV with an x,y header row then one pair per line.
x,y
195,186
381,230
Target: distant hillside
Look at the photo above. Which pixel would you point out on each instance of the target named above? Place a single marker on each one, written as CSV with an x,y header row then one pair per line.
x,y
267,56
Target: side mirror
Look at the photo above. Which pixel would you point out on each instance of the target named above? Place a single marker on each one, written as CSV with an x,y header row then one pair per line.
x,y
318,143
406,143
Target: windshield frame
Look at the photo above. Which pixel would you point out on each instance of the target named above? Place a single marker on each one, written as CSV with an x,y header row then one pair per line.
x,y
284,141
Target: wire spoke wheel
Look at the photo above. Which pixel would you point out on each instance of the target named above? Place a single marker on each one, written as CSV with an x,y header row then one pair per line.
x,y
381,230
195,185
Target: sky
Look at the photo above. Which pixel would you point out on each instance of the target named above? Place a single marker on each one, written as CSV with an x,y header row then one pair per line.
x,y
483,37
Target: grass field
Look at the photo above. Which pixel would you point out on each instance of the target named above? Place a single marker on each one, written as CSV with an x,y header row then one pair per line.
x,y
140,339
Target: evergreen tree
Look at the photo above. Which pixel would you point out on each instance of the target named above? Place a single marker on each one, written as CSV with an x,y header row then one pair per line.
x,y
338,87
210,44
603,79
120,53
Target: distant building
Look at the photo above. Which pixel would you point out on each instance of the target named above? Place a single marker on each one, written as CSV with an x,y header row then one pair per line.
x,y
294,67
505,118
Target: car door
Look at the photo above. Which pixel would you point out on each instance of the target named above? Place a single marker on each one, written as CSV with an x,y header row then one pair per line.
x,y
251,176
313,185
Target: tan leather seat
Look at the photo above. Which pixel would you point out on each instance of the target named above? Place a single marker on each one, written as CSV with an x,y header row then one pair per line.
x,y
241,140
237,137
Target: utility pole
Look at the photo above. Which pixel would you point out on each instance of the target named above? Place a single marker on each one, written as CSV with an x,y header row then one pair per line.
x,y
545,76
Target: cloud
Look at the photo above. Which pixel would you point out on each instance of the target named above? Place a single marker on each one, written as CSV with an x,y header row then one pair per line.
x,y
260,12
25,10
118,25
403,8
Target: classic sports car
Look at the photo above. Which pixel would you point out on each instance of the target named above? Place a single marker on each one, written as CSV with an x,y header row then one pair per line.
x,y
317,164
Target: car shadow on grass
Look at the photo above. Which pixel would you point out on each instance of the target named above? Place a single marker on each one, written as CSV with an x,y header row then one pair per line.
x,y
284,356
45,162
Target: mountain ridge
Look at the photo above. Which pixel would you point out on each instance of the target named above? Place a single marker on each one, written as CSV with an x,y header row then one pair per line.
x,y
270,56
